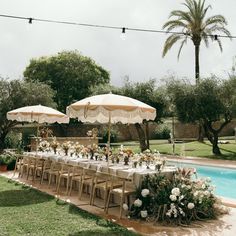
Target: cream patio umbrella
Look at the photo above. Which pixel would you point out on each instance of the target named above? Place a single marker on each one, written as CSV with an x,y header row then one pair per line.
x,y
40,114
111,108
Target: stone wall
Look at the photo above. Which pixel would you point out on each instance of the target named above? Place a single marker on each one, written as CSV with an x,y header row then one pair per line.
x,y
129,132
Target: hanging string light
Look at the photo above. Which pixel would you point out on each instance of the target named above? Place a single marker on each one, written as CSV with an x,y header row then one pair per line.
x,y
124,29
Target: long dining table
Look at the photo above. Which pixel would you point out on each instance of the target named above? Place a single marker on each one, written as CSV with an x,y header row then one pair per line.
x,y
119,169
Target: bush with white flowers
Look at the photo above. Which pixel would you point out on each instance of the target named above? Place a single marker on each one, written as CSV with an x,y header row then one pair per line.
x,y
178,201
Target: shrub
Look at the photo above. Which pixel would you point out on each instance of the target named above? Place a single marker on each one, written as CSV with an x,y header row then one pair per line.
x,y
114,135
178,201
13,140
162,132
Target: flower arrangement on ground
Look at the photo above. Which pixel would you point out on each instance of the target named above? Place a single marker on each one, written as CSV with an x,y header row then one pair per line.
x,y
177,201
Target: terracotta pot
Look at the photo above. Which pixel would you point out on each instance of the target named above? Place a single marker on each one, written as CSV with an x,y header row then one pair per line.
x,y
3,167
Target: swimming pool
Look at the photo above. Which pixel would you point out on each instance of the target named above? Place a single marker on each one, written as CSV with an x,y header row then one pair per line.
x,y
223,178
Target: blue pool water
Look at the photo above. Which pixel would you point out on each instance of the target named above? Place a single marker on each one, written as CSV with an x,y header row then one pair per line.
x,y
223,178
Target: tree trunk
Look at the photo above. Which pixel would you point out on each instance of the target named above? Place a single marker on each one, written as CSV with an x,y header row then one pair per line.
x,y
2,144
147,134
141,135
212,136
197,68
200,133
215,148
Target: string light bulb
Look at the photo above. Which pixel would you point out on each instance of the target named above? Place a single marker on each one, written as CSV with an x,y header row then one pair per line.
x,y
30,20
123,36
216,37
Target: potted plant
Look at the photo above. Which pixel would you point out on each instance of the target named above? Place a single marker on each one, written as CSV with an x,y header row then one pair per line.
x,y
7,161
4,161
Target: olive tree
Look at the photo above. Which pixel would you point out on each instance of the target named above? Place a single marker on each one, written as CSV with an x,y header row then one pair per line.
x,y
211,102
18,93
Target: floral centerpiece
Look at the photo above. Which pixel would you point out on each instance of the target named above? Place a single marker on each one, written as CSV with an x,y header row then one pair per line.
x,y
78,148
135,159
92,133
107,151
66,146
89,133
45,132
148,157
92,149
44,145
125,153
178,200
54,145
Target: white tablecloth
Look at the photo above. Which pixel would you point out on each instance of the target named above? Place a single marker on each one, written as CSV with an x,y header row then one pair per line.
x,y
121,170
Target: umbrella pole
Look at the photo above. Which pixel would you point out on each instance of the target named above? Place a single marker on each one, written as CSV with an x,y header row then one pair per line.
x,y
109,136
37,141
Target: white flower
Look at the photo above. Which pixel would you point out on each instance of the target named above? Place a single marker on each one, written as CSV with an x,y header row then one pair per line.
x,y
206,193
138,203
190,205
173,198
203,186
211,188
125,207
208,179
175,191
168,213
145,192
188,187
181,197
181,211
143,214
195,194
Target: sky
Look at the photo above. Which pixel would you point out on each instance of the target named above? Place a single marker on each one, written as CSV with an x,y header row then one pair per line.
x,y
139,56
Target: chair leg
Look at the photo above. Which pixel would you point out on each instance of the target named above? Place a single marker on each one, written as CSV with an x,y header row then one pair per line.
x,y
34,170
121,206
28,171
42,176
71,183
108,202
105,197
58,182
68,184
81,190
49,180
19,173
93,195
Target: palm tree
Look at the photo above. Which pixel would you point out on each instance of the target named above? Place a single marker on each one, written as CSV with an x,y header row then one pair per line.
x,y
193,24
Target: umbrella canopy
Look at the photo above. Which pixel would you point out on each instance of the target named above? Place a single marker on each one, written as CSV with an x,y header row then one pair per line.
x,y
40,114
111,108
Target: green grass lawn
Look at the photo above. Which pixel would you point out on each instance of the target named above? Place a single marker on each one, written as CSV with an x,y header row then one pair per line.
x,y
26,211
195,149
